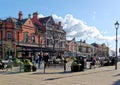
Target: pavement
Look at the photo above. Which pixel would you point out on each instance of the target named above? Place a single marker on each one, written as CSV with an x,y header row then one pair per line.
x,y
56,76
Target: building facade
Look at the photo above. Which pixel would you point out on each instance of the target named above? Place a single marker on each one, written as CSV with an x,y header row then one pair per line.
x,y
85,49
55,35
101,50
71,48
22,37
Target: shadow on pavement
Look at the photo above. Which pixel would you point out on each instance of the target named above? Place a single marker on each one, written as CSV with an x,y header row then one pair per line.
x,y
117,75
90,73
67,72
116,83
36,73
4,72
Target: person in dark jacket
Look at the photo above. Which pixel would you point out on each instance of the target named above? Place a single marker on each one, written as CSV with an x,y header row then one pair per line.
x,y
39,60
45,57
93,62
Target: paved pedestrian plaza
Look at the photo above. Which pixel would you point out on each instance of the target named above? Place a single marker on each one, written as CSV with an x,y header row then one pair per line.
x,y
56,76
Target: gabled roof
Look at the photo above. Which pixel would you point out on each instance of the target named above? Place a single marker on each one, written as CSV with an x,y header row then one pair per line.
x,y
16,21
94,44
38,25
71,41
20,22
46,19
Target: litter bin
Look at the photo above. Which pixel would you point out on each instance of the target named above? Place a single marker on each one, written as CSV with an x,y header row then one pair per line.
x,y
75,67
82,60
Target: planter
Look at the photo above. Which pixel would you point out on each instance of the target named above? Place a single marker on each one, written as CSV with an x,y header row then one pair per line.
x,y
27,68
34,68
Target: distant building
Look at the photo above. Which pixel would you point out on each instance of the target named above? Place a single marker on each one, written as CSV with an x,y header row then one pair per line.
x,y
85,49
101,50
71,48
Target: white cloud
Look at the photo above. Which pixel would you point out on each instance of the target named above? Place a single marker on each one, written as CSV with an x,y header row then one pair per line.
x,y
77,28
80,30
40,15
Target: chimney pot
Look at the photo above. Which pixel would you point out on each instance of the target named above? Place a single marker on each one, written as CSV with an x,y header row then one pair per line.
x,y
35,15
20,15
59,23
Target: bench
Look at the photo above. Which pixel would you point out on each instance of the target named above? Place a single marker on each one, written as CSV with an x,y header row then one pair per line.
x,y
54,65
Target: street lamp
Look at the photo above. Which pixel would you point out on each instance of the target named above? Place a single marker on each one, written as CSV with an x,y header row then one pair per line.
x,y
116,26
1,40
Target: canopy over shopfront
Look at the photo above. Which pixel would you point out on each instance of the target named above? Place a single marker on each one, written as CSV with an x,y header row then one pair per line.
x,y
34,49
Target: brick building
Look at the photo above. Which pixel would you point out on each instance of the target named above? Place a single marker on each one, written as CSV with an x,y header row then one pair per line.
x,y
71,48
20,37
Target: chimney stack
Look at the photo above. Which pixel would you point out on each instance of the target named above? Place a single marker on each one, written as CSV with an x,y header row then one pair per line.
x,y
29,16
20,15
59,23
35,15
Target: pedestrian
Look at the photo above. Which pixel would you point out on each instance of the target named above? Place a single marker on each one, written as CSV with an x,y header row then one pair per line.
x,y
93,63
45,58
101,62
32,58
36,59
39,60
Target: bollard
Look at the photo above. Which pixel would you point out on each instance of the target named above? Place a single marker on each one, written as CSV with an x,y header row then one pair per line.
x,y
44,66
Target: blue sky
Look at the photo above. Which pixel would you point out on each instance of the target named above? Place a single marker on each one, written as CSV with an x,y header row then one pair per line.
x,y
92,20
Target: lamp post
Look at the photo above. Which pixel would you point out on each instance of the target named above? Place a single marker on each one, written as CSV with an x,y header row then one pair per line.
x,y
1,46
116,26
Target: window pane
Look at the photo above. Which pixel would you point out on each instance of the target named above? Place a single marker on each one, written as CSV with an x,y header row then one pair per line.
x,y
33,38
9,36
26,37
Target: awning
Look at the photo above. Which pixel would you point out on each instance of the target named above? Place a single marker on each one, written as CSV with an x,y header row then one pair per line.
x,y
35,49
